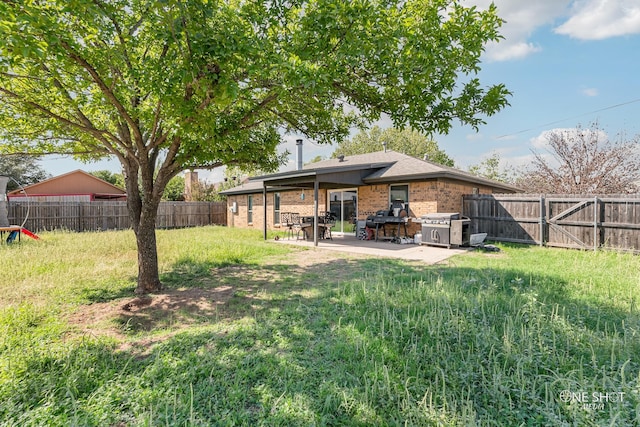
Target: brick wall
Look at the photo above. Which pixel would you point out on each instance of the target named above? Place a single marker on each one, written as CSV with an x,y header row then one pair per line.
x,y
372,198
290,201
449,194
424,197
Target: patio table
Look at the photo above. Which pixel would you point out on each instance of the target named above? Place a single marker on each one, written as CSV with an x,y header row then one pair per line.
x,y
324,227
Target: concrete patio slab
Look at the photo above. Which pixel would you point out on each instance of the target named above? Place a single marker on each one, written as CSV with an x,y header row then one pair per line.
x,y
408,252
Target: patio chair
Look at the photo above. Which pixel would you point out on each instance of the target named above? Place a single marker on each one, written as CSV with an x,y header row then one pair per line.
x,y
296,225
286,221
327,223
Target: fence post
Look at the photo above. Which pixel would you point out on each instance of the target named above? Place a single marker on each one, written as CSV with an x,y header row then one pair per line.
x,y
542,221
595,223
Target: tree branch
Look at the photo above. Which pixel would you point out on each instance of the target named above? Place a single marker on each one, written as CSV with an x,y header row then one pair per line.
x,y
19,76
116,25
83,118
251,113
48,113
107,92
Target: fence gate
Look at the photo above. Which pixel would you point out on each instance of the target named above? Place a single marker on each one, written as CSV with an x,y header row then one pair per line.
x,y
567,221
572,223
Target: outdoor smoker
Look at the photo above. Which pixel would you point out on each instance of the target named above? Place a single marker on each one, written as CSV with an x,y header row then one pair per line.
x,y
445,229
396,216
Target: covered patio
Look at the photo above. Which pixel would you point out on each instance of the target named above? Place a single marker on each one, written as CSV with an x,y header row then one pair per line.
x,y
329,178
407,252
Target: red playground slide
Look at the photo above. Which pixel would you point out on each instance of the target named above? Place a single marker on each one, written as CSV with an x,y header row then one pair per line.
x,y
30,234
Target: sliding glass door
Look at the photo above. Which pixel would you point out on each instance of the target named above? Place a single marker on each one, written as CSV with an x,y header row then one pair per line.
x,y
344,205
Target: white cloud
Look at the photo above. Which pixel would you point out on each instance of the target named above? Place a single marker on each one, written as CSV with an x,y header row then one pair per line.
x,y
522,18
541,141
590,91
582,19
508,51
519,163
601,19
474,136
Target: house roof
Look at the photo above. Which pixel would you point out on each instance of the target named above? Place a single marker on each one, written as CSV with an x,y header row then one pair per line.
x,y
75,182
370,168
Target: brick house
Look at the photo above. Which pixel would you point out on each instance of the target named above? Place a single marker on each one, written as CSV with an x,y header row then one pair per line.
x,y
76,186
354,187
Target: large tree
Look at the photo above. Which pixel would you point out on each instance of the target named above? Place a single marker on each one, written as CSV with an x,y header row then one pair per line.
x,y
407,141
165,86
583,161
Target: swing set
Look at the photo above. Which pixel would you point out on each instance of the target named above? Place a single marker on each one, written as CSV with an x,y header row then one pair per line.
x,y
14,231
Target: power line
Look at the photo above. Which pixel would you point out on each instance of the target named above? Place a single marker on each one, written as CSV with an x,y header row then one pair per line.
x,y
568,118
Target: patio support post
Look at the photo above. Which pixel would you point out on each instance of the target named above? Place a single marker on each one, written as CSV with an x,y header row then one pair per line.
x,y
315,211
264,209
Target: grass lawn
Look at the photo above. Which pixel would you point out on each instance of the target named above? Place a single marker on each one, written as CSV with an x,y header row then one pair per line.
x,y
256,333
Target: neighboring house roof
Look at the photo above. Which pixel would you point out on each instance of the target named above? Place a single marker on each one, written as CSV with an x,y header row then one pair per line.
x,y
371,168
77,182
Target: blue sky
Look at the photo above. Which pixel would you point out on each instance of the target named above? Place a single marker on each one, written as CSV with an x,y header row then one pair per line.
x,y
567,63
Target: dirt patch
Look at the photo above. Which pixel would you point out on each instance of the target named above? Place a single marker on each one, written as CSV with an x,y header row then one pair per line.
x,y
226,289
172,310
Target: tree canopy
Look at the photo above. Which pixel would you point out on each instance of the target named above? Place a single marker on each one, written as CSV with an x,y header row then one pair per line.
x,y
116,179
165,86
490,168
23,169
407,141
583,161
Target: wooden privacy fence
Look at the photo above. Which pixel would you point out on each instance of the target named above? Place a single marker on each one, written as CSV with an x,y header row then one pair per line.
x,y
97,216
583,222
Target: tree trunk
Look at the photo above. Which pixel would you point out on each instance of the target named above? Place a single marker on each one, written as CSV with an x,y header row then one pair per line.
x,y
148,275
143,199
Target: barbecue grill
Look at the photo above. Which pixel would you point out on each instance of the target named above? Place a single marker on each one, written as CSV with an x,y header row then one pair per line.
x,y
445,229
395,216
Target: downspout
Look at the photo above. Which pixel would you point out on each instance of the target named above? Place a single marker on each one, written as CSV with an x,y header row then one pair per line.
x,y
264,209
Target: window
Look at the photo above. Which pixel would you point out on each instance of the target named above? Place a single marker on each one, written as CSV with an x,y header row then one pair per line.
x,y
276,208
400,192
249,209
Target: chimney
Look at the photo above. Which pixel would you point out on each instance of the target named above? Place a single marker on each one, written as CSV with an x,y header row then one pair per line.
x,y
384,144
190,185
299,154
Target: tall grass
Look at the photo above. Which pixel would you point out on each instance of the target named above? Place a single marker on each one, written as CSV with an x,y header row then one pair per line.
x,y
484,340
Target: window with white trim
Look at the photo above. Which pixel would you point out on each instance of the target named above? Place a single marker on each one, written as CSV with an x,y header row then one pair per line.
x,y
399,192
276,208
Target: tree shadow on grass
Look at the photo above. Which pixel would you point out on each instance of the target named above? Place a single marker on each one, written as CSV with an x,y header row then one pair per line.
x,y
350,342
229,291
105,292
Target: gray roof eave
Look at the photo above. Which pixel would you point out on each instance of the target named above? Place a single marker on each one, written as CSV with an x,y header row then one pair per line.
x,y
320,171
443,174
